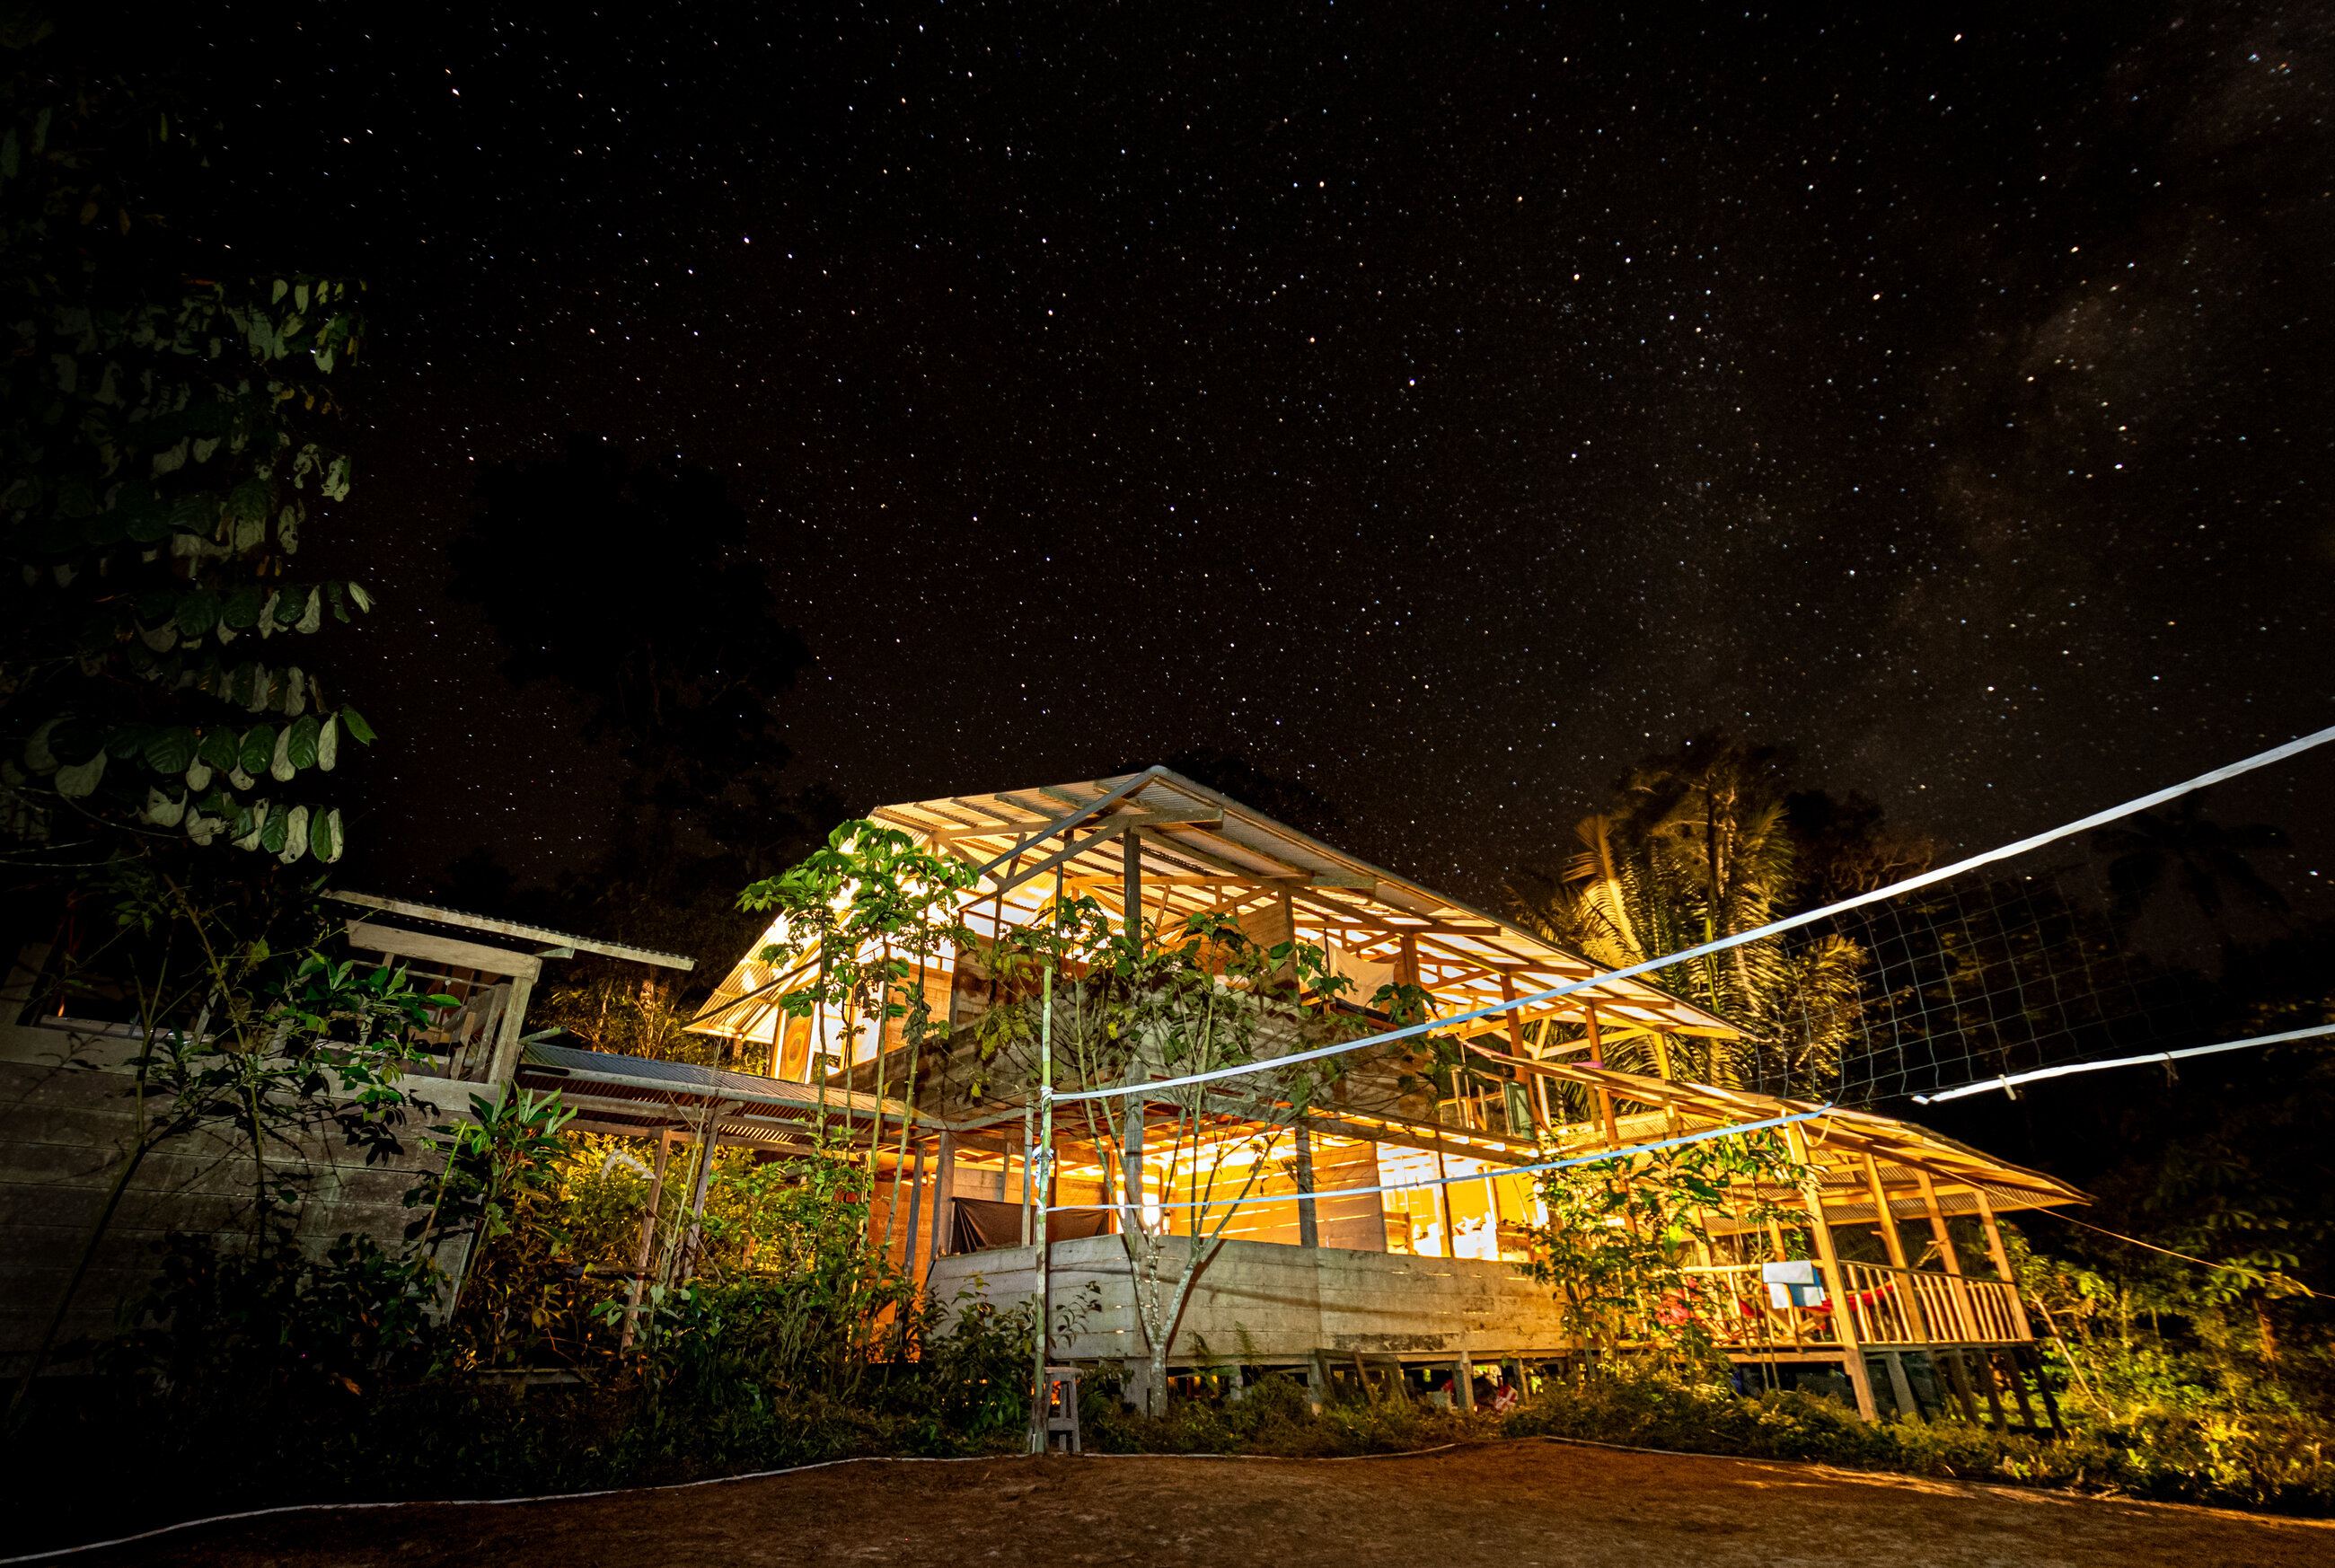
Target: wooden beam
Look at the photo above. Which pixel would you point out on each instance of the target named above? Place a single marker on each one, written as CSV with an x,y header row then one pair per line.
x,y
389,942
1035,830
512,928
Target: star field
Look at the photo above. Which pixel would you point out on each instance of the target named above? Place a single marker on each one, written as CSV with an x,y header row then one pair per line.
x,y
1443,409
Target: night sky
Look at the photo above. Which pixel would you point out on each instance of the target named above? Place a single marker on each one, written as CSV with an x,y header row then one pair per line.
x,y
1445,407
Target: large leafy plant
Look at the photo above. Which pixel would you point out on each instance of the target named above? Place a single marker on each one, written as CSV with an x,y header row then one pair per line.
x,y
163,450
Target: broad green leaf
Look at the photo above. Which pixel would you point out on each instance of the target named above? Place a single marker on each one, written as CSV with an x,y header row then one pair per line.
x,y
242,608
38,755
271,832
328,742
295,835
357,596
81,779
324,836
359,730
128,741
248,822
313,615
171,750
219,750
197,612
199,776
258,749
298,744
279,764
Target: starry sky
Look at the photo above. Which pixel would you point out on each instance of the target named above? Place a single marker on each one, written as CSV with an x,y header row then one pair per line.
x,y
1442,405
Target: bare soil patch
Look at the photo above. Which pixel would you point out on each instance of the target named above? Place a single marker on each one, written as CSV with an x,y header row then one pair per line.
x,y
1504,1505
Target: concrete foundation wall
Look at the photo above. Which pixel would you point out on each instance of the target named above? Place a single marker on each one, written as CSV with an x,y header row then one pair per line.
x,y
63,1130
1272,1304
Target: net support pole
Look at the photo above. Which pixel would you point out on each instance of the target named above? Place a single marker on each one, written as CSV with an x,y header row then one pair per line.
x,y
1042,1167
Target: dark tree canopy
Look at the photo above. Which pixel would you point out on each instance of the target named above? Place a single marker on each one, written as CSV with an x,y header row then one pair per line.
x,y
630,584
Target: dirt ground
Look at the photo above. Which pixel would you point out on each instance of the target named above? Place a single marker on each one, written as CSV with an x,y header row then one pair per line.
x,y
1502,1505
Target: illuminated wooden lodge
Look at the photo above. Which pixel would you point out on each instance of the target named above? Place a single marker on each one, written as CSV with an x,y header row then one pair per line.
x,y
1323,1270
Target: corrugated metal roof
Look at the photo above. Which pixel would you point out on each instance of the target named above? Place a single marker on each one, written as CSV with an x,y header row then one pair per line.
x,y
1227,856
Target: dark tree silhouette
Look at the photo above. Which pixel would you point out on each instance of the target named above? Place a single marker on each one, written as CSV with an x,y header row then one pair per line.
x,y
2206,859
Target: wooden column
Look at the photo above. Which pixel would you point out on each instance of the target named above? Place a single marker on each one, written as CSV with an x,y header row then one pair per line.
x,y
2002,1259
697,1199
1844,1309
506,1047
1604,1096
1884,1216
943,1199
1965,1320
908,1249
648,1240
1443,1200
1517,1047
1309,1232
1131,888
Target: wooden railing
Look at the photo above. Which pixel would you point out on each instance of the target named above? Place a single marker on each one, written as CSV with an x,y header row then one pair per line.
x,y
1885,1307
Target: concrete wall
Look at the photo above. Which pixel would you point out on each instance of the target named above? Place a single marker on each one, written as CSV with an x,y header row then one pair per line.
x,y
1289,1300
63,1132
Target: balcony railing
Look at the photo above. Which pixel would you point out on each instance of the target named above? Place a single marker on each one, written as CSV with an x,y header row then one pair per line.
x,y
1884,1306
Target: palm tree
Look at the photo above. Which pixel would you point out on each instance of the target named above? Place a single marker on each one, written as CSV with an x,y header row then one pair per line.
x,y
2207,860
1702,851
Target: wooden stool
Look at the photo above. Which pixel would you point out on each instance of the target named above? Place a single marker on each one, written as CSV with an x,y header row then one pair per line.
x,y
1062,1406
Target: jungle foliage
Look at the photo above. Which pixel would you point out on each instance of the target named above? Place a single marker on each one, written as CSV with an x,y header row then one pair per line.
x,y
167,447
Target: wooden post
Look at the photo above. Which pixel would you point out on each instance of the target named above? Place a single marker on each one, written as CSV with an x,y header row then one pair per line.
x,y
908,1249
507,1049
1985,1364
1958,1375
944,1200
1109,1187
1443,1200
1844,1308
1131,884
1517,1047
1908,1298
2002,1259
2009,1363
648,1240
1309,1232
1965,1320
1604,1094
1884,1215
2034,1358
697,1199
